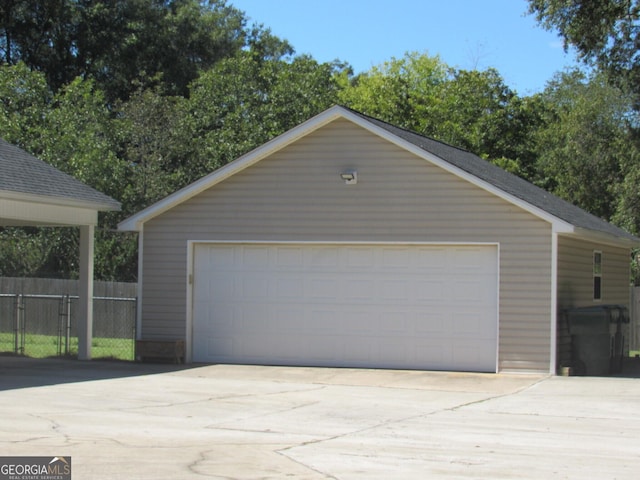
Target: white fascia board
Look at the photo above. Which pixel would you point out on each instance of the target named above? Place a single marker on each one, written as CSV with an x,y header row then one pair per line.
x,y
558,225
135,222
606,239
53,200
22,213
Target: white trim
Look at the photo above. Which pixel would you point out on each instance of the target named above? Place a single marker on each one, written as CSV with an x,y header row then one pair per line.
x,y
558,224
136,221
341,242
498,253
192,244
191,250
554,305
59,201
605,239
15,212
85,291
139,285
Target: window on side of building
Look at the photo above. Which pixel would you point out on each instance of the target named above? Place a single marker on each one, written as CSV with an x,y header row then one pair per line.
x,y
597,275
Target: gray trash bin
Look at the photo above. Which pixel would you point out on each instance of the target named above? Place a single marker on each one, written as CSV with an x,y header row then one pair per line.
x,y
598,339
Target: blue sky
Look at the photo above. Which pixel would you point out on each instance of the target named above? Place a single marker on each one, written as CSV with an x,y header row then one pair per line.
x,y
466,34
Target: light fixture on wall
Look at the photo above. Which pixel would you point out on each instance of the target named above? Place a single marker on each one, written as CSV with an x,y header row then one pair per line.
x,y
350,177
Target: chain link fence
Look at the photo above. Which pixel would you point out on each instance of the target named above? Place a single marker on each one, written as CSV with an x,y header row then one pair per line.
x,y
45,324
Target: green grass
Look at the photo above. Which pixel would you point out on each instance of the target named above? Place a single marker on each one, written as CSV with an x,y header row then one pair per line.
x,y
43,346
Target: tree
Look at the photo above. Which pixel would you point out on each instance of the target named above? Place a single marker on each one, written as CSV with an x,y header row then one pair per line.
x,y
604,32
124,44
24,98
585,149
149,130
244,101
405,92
71,130
473,110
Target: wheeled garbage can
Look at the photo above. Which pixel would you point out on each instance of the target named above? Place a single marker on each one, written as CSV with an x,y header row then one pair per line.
x,y
598,339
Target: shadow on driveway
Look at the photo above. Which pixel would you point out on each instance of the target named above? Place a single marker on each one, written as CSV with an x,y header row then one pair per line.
x,y
630,368
23,372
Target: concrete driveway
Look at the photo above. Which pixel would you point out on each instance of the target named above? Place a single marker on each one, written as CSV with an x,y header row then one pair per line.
x,y
131,421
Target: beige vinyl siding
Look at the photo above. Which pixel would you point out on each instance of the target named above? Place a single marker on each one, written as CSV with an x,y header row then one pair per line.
x,y
296,194
575,273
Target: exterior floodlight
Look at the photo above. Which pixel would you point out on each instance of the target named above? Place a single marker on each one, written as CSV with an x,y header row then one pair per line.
x,y
350,177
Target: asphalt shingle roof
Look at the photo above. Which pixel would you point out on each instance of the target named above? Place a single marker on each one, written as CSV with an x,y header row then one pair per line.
x,y
23,173
505,181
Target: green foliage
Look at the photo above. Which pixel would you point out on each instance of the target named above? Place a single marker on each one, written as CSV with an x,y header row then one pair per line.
x,y
139,98
24,99
123,44
22,252
245,101
149,135
604,33
473,110
77,137
406,92
585,145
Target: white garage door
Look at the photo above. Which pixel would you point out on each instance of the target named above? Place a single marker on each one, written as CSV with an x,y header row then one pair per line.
x,y
387,306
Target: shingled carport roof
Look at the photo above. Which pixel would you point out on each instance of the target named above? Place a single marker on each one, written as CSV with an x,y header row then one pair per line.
x,y
22,173
33,193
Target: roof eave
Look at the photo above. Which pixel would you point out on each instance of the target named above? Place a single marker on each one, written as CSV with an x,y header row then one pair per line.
x,y
136,221
558,225
604,238
113,205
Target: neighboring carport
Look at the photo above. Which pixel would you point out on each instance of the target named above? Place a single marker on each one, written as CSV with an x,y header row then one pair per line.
x,y
33,193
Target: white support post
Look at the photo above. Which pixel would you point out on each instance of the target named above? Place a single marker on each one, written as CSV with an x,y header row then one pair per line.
x,y
553,340
85,291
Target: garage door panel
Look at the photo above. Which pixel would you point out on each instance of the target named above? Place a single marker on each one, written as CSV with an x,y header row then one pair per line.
x,y
219,348
323,288
360,290
289,258
377,306
321,259
396,258
360,322
394,290
358,354
358,258
288,288
428,292
432,324
224,319
469,355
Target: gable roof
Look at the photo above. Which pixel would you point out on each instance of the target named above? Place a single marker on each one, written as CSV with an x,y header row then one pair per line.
x,y
564,216
505,181
23,175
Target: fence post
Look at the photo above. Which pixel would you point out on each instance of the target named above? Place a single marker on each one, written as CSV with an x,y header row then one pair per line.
x,y
61,316
635,319
67,340
16,323
19,332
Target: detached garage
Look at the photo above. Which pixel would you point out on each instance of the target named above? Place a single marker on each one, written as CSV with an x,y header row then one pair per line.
x,y
350,242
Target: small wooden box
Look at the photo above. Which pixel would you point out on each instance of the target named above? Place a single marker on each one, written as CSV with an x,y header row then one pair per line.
x,y
160,350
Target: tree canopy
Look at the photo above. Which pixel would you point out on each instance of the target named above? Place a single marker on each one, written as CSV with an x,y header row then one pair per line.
x,y
139,98
125,44
604,33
